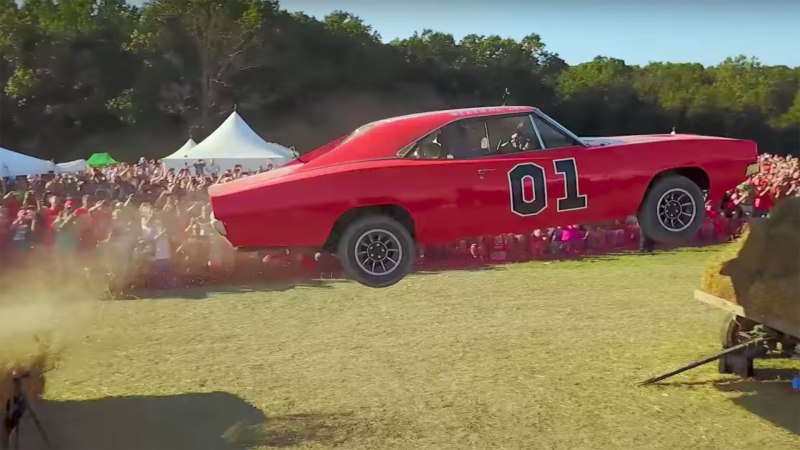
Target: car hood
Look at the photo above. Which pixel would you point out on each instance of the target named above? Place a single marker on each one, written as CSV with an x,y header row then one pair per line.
x,y
641,139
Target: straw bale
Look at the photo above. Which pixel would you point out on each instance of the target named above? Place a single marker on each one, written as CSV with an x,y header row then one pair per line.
x,y
761,270
752,249
783,256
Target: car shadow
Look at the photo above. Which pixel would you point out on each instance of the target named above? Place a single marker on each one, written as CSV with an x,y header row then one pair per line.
x,y
216,420
211,289
769,395
433,268
429,267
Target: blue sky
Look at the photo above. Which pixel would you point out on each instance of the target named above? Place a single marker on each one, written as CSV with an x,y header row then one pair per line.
x,y
638,31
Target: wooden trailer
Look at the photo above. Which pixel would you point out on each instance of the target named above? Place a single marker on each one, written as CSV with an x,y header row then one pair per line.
x,y
745,338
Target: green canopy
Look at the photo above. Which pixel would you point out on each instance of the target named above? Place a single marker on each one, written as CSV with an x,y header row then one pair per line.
x,y
101,160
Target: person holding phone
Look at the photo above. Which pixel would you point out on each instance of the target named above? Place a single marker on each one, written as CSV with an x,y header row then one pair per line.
x,y
22,232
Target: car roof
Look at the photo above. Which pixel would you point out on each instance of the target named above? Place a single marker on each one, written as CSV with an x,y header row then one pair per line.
x,y
384,138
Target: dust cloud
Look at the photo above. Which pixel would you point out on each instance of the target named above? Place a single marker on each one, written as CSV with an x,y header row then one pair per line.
x,y
40,316
338,113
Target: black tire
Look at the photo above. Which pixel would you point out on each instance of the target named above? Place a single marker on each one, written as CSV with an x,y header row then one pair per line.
x,y
665,196
398,242
729,337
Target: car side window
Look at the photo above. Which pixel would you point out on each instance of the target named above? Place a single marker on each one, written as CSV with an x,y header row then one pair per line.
x,y
551,137
463,139
427,148
511,135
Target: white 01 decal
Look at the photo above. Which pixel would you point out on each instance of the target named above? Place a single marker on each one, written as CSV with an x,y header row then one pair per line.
x,y
522,206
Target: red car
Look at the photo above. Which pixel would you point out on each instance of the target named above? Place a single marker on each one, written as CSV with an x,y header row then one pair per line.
x,y
438,177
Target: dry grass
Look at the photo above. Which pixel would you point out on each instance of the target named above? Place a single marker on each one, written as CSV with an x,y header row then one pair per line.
x,y
537,355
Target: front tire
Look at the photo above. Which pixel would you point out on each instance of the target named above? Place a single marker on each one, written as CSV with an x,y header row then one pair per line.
x,y
376,250
673,210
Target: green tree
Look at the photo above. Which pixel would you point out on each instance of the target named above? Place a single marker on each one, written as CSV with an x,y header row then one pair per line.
x,y
70,69
65,60
194,50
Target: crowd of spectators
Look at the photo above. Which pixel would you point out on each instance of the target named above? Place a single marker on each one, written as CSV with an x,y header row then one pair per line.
x,y
142,226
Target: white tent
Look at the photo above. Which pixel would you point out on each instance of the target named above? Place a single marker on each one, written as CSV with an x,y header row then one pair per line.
x,y
180,157
79,165
234,142
14,164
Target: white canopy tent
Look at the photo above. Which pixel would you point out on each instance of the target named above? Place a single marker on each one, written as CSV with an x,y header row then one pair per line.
x,y
235,143
79,165
13,164
180,157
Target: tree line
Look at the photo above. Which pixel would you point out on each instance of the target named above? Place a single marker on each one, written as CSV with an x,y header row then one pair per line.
x,y
72,69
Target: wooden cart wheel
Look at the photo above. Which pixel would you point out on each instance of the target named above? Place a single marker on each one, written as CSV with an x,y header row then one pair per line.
x,y
740,364
788,348
733,326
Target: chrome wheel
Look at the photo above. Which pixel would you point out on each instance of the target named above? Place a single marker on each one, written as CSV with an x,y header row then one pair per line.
x,y
676,210
378,252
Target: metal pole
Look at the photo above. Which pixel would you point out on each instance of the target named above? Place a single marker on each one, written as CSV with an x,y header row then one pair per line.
x,y
719,355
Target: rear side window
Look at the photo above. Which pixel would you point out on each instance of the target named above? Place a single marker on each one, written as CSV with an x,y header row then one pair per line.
x,y
551,137
463,139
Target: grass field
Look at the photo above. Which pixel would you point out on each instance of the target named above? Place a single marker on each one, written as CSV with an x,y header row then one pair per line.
x,y
536,355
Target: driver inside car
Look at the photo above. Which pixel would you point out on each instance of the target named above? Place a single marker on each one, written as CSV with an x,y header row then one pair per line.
x,y
429,148
518,142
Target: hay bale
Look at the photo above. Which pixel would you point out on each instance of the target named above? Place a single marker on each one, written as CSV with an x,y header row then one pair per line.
x,y
783,258
752,248
715,279
787,212
715,283
774,298
761,270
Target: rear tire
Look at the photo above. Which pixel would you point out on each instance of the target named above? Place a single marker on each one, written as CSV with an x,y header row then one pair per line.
x,y
672,210
376,250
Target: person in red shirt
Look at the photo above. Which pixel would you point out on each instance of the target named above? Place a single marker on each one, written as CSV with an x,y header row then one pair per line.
x,y
81,214
538,244
461,251
762,202
499,253
520,248
479,249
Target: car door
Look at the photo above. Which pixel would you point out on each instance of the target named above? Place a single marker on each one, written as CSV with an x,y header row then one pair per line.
x,y
445,192
551,180
500,177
